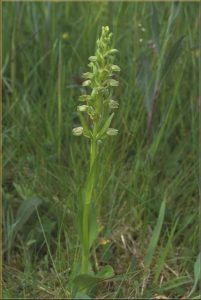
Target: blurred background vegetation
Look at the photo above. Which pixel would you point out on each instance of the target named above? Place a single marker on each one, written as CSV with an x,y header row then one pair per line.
x,y
46,46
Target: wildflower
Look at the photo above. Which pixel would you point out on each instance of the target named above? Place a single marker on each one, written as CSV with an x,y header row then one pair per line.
x,y
93,58
82,107
65,36
112,131
84,98
115,68
113,82
86,83
87,75
113,104
112,51
77,131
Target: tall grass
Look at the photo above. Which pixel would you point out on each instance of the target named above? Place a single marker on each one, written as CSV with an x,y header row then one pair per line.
x,y
154,157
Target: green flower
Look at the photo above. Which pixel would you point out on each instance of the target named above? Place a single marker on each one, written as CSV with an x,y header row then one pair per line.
x,y
115,68
98,102
93,58
86,83
112,131
113,104
82,107
77,131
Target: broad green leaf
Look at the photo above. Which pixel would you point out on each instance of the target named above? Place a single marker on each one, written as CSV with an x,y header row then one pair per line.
x,y
87,281
79,295
105,127
155,236
106,272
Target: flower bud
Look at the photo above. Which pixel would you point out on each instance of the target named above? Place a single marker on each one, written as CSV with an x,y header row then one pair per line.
x,y
87,75
112,51
113,82
113,104
93,58
112,131
82,107
115,68
105,28
85,98
77,131
86,83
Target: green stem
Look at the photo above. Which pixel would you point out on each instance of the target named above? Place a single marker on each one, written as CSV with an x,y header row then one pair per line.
x,y
87,204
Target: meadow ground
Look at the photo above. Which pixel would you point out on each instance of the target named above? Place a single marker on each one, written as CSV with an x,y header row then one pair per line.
x,y
153,159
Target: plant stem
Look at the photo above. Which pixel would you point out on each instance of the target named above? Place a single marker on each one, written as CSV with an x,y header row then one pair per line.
x,y
87,204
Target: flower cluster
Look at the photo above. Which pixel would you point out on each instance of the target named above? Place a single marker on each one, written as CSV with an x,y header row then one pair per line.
x,y
99,82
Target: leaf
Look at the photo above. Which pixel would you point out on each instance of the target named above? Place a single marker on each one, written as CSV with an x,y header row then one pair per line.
x,y
155,25
93,226
155,236
87,281
164,253
197,273
171,57
105,127
25,211
106,272
175,8
79,295
145,80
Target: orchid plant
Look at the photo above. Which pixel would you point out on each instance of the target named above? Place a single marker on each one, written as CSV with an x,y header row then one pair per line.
x,y
96,112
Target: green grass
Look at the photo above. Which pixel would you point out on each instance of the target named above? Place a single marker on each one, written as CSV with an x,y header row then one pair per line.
x,y
151,160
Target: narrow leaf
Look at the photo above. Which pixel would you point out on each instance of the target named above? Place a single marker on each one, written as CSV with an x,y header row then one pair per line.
x,y
155,236
171,57
105,127
25,211
155,25
197,274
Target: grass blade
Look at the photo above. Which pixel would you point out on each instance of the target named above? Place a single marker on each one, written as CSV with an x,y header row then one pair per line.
x,y
155,236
